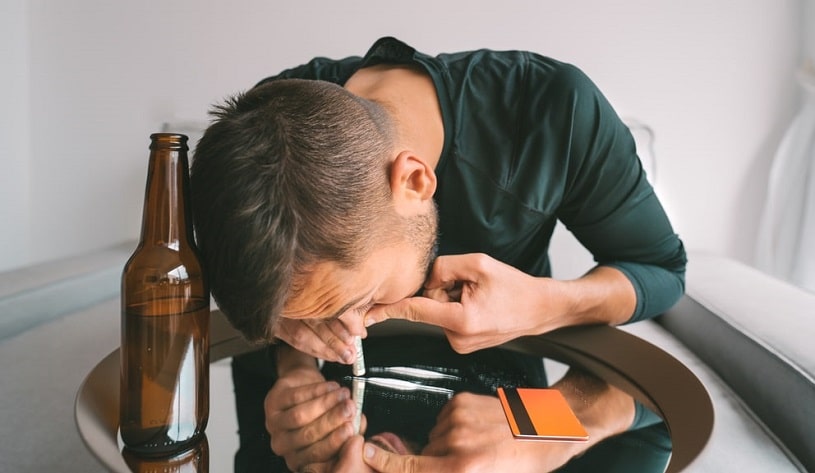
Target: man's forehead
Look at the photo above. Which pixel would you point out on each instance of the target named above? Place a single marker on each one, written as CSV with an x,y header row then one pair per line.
x,y
325,292
320,310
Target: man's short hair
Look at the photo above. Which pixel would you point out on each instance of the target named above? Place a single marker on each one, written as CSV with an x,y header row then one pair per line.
x,y
291,173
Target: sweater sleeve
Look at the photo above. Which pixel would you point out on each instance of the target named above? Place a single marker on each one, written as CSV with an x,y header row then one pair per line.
x,y
608,203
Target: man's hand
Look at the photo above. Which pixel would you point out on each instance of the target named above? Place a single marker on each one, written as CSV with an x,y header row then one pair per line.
x,y
350,460
308,418
481,302
472,435
327,340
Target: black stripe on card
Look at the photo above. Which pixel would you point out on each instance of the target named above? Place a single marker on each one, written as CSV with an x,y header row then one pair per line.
x,y
522,419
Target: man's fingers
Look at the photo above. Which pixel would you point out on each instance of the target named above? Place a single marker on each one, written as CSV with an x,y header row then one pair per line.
x,y
384,461
330,342
336,337
350,460
447,315
319,452
451,268
297,395
303,338
320,410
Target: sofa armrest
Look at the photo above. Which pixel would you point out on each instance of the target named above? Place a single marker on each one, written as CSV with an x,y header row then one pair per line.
x,y
757,333
36,294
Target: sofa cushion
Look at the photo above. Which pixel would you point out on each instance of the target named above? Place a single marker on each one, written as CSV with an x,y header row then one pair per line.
x,y
757,333
739,441
39,293
42,370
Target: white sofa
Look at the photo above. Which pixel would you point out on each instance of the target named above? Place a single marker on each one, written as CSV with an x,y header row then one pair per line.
x,y
745,335
749,338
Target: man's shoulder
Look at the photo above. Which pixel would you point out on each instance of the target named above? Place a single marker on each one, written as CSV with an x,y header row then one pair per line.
x,y
320,68
528,70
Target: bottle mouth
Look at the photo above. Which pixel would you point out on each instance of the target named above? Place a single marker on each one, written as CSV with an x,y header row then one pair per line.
x,y
175,141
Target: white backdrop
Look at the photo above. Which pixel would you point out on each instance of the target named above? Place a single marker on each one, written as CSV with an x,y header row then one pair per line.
x,y
91,79
786,242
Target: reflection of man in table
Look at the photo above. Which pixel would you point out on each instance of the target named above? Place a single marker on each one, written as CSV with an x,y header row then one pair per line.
x,y
318,208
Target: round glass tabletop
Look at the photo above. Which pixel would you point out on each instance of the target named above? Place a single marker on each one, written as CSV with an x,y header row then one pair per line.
x,y
648,374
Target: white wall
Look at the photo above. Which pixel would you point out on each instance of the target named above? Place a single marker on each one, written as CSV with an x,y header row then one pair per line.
x,y
714,80
14,134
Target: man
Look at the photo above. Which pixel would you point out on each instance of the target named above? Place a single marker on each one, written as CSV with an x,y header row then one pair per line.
x,y
321,196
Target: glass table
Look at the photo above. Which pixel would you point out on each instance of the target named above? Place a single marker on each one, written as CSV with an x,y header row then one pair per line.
x,y
648,374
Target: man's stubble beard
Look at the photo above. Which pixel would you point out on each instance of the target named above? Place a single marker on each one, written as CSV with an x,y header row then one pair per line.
x,y
423,232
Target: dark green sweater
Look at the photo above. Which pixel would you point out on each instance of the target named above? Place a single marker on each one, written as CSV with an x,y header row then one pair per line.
x,y
529,140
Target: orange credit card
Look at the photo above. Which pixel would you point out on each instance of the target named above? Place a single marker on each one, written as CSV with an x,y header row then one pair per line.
x,y
541,414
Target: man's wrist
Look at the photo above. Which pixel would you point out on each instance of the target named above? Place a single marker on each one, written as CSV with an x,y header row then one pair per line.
x,y
603,409
603,296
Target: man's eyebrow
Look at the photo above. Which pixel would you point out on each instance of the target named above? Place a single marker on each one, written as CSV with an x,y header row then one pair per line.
x,y
344,309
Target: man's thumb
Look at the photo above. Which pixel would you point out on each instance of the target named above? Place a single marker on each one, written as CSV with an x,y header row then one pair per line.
x,y
384,461
413,309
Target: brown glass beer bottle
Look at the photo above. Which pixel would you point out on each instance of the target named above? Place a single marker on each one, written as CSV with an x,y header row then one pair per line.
x,y
164,395
194,459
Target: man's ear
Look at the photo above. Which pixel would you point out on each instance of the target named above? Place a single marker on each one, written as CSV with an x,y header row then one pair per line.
x,y
413,182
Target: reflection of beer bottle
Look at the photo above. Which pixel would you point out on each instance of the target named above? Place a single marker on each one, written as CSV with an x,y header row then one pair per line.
x,y
164,403
193,460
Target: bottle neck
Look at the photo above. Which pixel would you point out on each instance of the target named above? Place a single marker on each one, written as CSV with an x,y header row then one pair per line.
x,y
166,218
